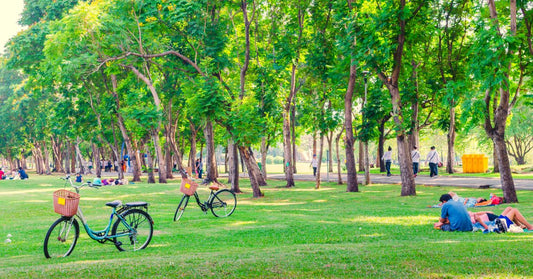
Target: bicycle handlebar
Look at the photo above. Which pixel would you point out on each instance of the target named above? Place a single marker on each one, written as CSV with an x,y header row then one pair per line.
x,y
78,187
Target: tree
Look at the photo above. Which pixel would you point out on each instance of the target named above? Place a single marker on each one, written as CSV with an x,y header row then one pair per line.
x,y
518,138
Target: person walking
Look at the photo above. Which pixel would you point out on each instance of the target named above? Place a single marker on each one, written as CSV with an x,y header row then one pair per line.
x,y
433,161
314,164
415,156
198,166
387,158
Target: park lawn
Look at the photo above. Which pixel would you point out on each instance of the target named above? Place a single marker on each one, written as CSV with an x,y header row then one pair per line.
x,y
290,233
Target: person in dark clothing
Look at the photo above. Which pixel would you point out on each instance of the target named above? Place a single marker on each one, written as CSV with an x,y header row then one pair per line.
x,y
22,173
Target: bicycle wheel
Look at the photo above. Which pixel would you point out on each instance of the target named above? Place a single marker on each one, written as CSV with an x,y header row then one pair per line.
x,y
181,207
223,203
137,234
61,238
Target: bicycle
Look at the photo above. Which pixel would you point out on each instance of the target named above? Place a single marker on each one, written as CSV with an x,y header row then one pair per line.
x,y
131,231
222,203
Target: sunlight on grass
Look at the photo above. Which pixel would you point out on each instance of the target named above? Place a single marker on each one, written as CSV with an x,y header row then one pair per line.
x,y
402,220
7,193
254,202
242,223
320,201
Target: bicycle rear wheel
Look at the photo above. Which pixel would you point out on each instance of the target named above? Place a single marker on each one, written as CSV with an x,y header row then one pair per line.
x,y
223,203
139,233
61,238
181,207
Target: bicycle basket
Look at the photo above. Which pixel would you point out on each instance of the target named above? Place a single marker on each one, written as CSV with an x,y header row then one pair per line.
x,y
188,187
66,202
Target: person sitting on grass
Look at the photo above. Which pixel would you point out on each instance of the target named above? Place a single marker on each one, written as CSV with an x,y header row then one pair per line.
x,y
78,178
23,175
454,216
97,181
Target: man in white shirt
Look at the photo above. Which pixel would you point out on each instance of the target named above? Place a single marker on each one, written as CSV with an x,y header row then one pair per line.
x,y
387,158
415,156
433,160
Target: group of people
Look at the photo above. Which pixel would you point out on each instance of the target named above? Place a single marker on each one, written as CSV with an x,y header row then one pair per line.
x,y
432,159
98,181
455,217
19,173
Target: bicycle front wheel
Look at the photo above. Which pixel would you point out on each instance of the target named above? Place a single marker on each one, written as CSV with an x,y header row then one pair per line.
x,y
181,207
223,203
135,232
61,238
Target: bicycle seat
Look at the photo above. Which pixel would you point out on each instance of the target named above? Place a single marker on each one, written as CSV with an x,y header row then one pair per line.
x,y
136,204
214,187
114,203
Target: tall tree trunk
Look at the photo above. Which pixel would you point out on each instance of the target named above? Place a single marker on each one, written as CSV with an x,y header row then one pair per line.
x,y
404,154
233,170
293,138
79,156
46,158
496,168
404,151
264,150
211,163
67,157
162,167
330,155
253,170
451,140
192,140
361,157
337,151
287,150
72,158
351,185
58,155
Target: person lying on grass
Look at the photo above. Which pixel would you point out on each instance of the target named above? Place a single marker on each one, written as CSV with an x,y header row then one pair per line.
x,y
453,216
510,214
474,202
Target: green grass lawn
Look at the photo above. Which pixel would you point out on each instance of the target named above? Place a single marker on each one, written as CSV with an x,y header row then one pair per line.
x,y
290,233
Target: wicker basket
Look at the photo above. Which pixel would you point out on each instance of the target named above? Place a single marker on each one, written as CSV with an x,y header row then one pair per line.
x,y
188,187
66,202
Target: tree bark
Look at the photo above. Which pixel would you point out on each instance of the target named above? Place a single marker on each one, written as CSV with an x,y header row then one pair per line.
x,y
451,141
149,165
339,163
211,164
351,184
233,170
287,150
253,170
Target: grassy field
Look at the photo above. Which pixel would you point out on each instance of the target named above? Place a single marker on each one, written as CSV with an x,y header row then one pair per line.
x,y
290,233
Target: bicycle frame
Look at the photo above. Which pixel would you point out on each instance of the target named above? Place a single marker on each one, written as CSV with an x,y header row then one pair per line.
x,y
204,205
101,234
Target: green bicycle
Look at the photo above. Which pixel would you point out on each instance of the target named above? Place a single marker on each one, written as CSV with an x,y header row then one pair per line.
x,y
131,231
221,202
